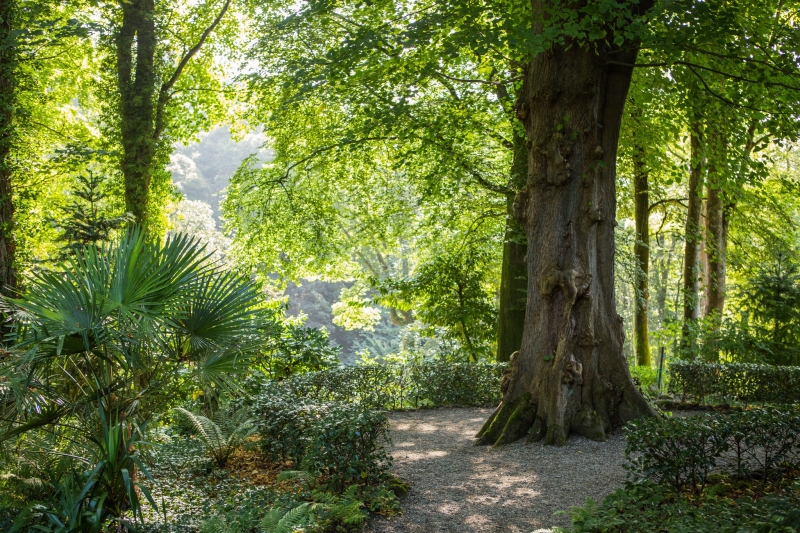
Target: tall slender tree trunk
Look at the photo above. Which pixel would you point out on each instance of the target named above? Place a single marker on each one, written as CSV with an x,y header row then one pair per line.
x,y
8,61
717,213
716,248
570,374
514,273
136,78
641,249
691,256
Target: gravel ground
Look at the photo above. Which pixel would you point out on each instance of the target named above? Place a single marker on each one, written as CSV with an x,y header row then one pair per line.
x,y
459,487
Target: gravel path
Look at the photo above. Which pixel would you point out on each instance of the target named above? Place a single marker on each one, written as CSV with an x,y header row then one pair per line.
x,y
459,487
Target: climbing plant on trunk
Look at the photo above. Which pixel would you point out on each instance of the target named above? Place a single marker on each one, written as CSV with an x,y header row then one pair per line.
x,y
144,95
8,59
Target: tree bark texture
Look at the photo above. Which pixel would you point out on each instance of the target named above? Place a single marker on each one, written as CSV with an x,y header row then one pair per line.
x,y
716,238
514,273
8,280
691,255
641,250
570,374
136,78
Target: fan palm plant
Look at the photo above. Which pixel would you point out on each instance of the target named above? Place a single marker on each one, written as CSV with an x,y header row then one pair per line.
x,y
120,329
125,324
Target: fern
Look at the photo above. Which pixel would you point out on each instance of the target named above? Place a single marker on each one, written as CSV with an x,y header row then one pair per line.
x,y
216,524
307,479
221,437
278,521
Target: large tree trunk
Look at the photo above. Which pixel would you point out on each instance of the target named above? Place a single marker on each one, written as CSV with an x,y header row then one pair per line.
x,y
570,374
136,78
691,256
641,249
8,279
514,273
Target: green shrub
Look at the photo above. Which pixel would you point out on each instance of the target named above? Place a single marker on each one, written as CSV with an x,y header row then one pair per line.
x,y
402,386
342,442
284,422
646,508
682,452
223,435
743,382
347,445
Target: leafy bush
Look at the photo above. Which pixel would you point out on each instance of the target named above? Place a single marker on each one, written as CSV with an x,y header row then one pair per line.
x,y
344,443
292,348
223,435
348,445
747,383
645,508
403,386
682,452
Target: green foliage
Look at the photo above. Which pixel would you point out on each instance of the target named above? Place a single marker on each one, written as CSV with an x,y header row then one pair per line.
x,y
86,221
771,312
402,386
646,507
450,292
109,491
295,349
343,443
742,382
129,323
682,452
223,435
325,511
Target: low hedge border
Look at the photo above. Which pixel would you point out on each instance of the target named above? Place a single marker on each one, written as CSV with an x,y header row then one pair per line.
x,y
403,386
682,452
742,382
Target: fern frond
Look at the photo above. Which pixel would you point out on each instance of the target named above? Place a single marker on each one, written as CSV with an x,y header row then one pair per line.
x,y
279,520
301,476
215,524
270,521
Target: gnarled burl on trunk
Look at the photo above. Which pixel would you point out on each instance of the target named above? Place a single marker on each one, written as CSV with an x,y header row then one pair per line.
x,y
570,374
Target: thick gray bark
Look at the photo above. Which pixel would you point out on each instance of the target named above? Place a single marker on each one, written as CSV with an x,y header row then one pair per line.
x,y
570,374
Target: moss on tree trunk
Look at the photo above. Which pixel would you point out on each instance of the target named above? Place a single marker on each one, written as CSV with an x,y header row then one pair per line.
x,y
514,273
641,249
8,60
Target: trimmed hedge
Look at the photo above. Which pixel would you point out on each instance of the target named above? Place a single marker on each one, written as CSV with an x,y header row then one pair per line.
x,y
403,386
332,422
682,452
743,382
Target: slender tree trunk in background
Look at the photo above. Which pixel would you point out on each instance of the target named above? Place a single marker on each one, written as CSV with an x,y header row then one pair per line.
x,y
641,249
8,279
570,374
514,273
136,78
716,247
691,256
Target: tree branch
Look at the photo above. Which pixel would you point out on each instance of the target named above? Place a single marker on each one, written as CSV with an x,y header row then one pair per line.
x,y
164,94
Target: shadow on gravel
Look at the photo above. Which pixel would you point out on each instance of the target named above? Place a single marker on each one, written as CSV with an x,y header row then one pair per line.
x,y
458,487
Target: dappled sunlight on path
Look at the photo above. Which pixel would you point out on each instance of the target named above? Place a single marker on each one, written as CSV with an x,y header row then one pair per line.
x,y
458,487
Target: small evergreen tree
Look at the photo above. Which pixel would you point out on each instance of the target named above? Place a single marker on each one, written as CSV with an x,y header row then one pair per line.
x,y
87,221
772,302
